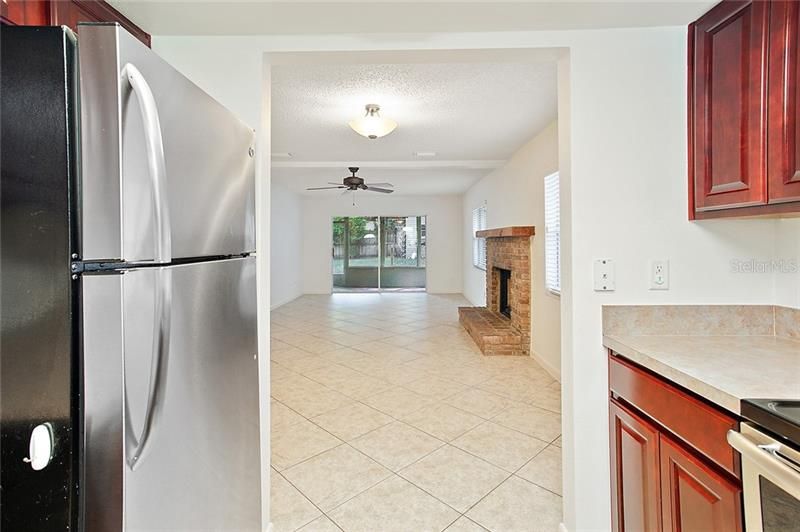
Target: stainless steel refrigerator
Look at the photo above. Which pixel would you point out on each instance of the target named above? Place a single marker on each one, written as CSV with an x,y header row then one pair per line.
x,y
128,361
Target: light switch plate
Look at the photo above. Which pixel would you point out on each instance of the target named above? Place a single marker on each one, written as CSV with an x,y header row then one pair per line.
x,y
604,276
659,274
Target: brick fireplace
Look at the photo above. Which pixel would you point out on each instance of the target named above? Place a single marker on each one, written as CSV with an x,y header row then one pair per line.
x,y
503,326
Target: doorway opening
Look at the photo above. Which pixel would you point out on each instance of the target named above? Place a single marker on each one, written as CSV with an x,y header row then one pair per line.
x,y
421,184
379,253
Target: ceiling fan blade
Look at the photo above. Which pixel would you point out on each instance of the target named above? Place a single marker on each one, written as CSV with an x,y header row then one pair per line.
x,y
325,188
376,189
332,183
381,184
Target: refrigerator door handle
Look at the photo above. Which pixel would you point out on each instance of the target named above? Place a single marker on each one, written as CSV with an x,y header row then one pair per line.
x,y
135,447
156,162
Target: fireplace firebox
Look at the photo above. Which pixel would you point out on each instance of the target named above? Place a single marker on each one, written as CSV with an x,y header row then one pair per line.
x,y
504,306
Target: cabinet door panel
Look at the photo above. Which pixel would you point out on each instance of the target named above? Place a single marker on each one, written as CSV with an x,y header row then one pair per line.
x,y
728,100
783,121
694,497
635,504
25,12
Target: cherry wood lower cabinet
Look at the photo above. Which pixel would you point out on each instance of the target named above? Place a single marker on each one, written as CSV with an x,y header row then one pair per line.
x,y
666,478
694,497
635,472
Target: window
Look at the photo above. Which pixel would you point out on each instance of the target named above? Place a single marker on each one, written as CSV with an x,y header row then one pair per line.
x,y
363,248
403,241
479,244
552,236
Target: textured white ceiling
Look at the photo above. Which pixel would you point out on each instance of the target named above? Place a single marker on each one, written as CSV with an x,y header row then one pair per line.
x,y
459,111
465,112
262,17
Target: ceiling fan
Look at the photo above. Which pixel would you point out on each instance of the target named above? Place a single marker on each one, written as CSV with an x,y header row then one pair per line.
x,y
353,182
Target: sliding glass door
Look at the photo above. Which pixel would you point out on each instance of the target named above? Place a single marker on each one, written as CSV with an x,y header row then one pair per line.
x,y
356,252
403,252
386,252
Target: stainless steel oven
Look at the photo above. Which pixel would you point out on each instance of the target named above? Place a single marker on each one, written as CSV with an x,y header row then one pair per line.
x,y
771,479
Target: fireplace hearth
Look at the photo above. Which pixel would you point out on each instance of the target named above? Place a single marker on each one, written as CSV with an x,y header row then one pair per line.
x,y
503,326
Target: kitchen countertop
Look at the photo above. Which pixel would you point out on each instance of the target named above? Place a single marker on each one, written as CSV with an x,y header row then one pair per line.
x,y
722,369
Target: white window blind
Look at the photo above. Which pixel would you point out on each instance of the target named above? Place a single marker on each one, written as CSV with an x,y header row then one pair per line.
x,y
552,238
479,244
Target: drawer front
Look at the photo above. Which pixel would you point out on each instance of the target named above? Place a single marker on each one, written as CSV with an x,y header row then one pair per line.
x,y
697,424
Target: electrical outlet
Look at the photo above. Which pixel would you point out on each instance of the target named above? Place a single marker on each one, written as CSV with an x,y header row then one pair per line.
x,y
605,279
659,274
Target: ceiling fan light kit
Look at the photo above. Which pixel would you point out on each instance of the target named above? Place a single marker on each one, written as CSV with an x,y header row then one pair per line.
x,y
372,125
354,183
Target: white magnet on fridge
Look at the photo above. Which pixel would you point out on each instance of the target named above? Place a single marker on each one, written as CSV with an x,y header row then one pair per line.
x,y
40,448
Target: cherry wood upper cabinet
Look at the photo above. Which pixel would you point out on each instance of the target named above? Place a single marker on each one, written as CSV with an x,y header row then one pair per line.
x,y
743,110
694,496
70,12
783,121
635,470
728,106
25,12
66,13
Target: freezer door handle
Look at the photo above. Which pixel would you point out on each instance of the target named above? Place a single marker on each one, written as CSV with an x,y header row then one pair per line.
x,y
156,162
135,447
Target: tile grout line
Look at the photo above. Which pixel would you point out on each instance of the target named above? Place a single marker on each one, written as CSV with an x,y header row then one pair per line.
x,y
392,472
435,369
508,475
306,498
514,474
485,420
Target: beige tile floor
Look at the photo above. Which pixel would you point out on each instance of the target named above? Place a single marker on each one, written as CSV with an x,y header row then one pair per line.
x,y
386,417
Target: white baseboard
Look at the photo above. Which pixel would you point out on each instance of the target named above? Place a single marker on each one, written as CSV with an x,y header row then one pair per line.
x,y
284,301
561,527
442,293
549,368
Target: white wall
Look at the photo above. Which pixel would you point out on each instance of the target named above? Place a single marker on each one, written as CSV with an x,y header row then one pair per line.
x,y
623,160
514,195
787,249
443,229
225,67
628,202
286,252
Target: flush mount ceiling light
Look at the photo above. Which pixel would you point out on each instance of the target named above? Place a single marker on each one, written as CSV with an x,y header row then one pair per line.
x,y
372,125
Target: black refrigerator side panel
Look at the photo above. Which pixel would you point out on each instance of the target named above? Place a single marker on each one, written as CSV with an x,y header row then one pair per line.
x,y
38,373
